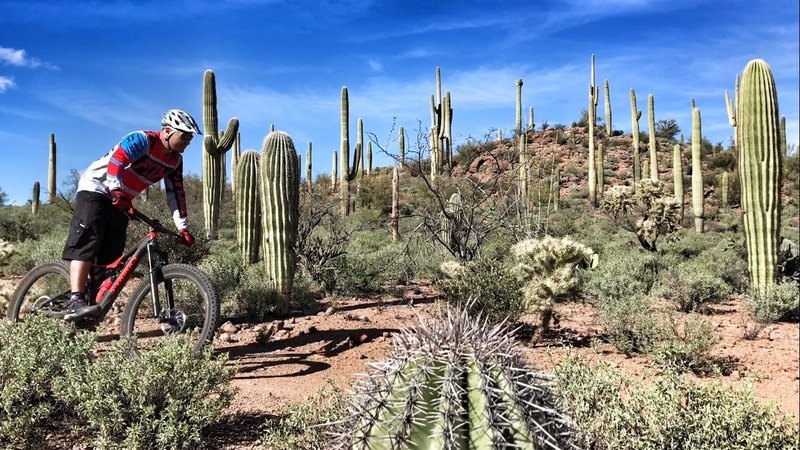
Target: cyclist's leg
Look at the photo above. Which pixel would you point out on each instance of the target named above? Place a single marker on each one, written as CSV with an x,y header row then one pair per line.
x,y
113,243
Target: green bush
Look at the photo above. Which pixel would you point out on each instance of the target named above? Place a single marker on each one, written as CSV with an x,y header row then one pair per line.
x,y
688,348
616,412
493,287
161,399
779,302
622,273
33,353
371,260
302,426
692,287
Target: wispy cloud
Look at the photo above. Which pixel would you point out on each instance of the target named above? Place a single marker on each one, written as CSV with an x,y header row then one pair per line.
x,y
20,58
5,83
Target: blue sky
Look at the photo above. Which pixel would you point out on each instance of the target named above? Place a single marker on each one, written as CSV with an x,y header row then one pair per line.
x,y
92,71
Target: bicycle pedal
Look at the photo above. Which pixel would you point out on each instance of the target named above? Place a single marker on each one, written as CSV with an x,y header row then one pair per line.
x,y
81,312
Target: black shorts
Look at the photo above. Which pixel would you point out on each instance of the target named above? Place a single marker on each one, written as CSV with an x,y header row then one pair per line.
x,y
98,229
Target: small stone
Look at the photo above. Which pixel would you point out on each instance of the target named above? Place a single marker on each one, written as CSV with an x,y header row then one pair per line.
x,y
329,311
363,338
386,334
228,327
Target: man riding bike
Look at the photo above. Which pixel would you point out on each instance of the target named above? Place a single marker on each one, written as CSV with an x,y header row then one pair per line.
x,y
105,193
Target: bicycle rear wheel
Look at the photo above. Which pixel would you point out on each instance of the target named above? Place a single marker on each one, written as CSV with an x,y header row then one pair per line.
x,y
195,308
45,288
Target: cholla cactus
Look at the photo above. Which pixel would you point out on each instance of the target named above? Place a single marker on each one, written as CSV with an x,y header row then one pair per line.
x,y
454,383
647,210
548,267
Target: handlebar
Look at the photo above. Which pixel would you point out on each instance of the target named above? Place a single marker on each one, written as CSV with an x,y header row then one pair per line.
x,y
154,224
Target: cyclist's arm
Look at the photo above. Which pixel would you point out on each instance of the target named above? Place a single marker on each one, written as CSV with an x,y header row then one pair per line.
x,y
129,149
176,197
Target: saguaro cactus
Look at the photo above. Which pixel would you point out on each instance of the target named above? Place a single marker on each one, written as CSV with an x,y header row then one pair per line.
x,y
347,174
35,199
635,115
455,384
215,144
523,179
394,222
531,124
518,130
248,207
51,179
724,187
369,158
308,165
401,142
600,170
759,139
607,101
697,172
651,125
236,153
731,106
677,174
280,194
334,169
592,119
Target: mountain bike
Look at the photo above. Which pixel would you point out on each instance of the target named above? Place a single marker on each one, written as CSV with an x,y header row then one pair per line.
x,y
170,298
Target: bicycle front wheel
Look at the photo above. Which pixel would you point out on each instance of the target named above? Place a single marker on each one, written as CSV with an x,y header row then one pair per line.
x,y
194,310
44,288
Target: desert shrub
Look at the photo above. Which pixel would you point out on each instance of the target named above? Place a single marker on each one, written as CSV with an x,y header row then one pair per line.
x,y
371,260
721,254
726,161
613,411
161,399
623,272
688,348
493,287
17,224
302,426
692,287
32,252
33,353
631,324
779,302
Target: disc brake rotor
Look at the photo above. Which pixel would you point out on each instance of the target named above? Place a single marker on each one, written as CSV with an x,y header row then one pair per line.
x,y
174,322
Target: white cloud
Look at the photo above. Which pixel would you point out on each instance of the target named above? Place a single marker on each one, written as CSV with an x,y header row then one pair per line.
x,y
6,83
375,65
20,58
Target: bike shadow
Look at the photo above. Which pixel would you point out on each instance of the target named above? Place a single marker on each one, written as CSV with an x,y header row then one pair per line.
x,y
297,355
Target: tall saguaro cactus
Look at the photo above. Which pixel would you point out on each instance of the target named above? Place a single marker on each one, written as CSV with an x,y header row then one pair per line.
x,y
236,153
697,172
607,102
308,165
347,174
636,114
35,198
394,221
592,119
731,107
401,142
334,170
759,139
518,130
51,179
677,174
280,194
215,144
651,125
531,123
248,207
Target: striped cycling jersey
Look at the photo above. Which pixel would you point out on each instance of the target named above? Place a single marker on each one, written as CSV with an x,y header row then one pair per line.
x,y
138,161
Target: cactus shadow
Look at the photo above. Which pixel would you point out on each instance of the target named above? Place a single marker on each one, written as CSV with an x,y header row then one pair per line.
x,y
564,336
236,430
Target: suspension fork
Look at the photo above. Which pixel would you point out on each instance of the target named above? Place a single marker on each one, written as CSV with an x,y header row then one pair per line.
x,y
156,262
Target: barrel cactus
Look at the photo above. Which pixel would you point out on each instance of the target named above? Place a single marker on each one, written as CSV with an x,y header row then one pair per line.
x,y
548,269
248,206
454,383
759,140
280,193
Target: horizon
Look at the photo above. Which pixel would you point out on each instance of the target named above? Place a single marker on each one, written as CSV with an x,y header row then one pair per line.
x,y
91,72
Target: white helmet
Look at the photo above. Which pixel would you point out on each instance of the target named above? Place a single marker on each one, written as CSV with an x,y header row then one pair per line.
x,y
179,120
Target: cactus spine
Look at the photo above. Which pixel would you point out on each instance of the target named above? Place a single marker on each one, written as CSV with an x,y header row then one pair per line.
x,y
677,173
518,130
280,193
607,101
248,207
454,384
651,125
347,174
635,115
308,165
759,139
592,119
697,171
215,144
35,198
51,179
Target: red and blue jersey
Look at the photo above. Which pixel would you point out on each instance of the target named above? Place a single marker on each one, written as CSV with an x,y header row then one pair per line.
x,y
137,161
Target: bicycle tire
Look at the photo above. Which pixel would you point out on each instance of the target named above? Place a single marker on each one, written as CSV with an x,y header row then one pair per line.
x,y
198,306
22,294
